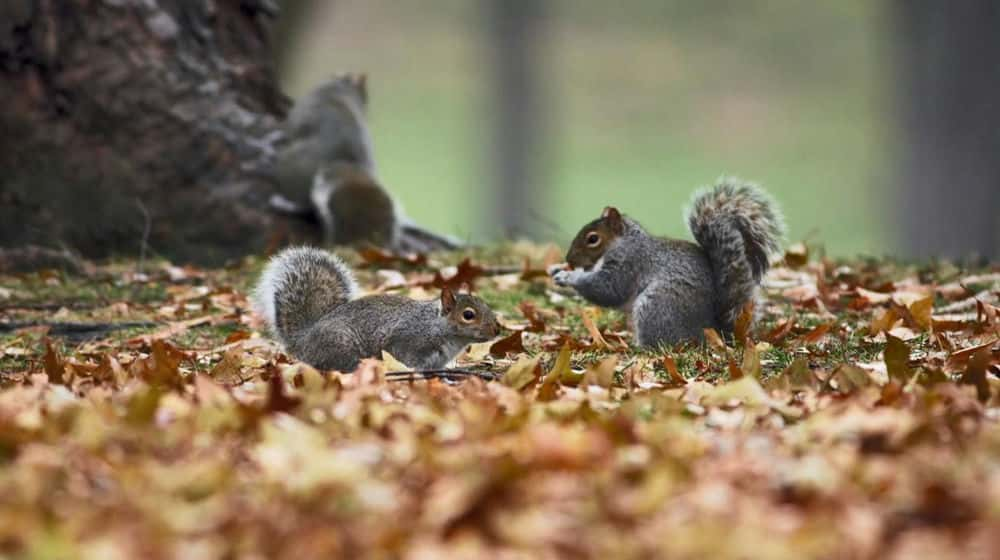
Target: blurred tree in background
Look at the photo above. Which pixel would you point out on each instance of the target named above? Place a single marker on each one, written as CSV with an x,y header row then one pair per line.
x,y
948,58
155,130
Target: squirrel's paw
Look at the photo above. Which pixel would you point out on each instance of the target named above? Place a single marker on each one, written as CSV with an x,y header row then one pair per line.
x,y
566,277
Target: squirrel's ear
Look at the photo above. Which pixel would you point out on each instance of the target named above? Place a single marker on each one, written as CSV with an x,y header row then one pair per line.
x,y
613,217
447,300
362,81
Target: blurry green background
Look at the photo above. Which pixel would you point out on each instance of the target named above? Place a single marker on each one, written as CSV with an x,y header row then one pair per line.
x,y
645,101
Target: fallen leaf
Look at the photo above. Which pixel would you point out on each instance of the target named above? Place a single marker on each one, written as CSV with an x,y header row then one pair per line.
x,y
670,365
54,366
714,340
751,361
510,344
522,373
975,373
897,359
392,364
921,310
816,334
796,255
602,373
741,329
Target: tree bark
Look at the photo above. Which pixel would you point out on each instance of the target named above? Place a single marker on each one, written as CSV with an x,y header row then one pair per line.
x,y
127,123
948,59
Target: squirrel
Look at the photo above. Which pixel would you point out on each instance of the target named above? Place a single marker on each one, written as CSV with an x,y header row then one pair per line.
x,y
325,169
673,289
309,299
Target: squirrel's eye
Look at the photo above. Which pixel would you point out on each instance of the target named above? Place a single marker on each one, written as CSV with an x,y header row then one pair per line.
x,y
593,239
468,314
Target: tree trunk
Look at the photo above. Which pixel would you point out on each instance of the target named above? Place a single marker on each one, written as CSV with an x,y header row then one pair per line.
x,y
516,31
126,123
948,57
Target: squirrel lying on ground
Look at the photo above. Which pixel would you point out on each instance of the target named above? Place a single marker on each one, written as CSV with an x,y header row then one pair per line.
x,y
326,169
309,298
673,289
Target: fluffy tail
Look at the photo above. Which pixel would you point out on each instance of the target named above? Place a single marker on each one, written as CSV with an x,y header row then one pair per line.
x,y
740,228
299,286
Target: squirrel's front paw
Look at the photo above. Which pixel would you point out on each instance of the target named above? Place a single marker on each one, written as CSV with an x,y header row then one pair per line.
x,y
565,277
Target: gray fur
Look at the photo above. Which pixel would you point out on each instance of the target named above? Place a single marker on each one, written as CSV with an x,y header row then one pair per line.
x,y
308,298
674,289
740,228
665,285
326,125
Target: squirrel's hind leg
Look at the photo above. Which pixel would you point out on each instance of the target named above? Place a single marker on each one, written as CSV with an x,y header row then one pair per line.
x,y
663,316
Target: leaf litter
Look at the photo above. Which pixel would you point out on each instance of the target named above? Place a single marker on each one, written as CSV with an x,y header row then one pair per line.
x,y
857,419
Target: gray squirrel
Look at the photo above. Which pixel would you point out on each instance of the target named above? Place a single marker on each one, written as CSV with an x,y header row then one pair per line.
x,y
325,169
671,288
309,299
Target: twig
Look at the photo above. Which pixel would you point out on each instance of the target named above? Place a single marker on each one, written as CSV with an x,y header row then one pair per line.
x,y
446,373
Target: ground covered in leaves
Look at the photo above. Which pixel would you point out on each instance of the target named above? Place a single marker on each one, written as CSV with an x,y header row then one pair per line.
x,y
144,415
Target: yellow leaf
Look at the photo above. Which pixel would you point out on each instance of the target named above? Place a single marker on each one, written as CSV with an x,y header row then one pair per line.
x,y
561,366
897,359
522,373
602,373
392,364
921,311
751,361
587,315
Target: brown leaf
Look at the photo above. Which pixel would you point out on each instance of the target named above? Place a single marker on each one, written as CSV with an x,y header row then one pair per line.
x,y
528,273
670,365
799,375
535,322
237,336
816,334
975,373
602,373
560,369
381,258
780,331
961,357
55,367
741,329
988,315
161,367
172,330
587,315
751,361
510,344
465,274
883,321
277,399
523,373
714,340
796,255
897,359
227,371
110,369
851,378
921,310
734,370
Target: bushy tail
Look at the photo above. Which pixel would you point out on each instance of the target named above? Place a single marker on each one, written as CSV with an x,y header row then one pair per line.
x,y
740,228
299,286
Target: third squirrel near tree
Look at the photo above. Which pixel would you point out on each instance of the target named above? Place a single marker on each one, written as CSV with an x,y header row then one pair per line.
x,y
325,171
